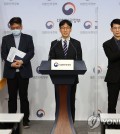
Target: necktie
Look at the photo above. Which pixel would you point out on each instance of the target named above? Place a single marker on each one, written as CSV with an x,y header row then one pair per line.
x,y
118,43
65,47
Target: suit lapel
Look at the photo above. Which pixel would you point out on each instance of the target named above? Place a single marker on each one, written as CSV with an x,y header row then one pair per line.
x,y
113,44
61,48
69,49
21,41
12,41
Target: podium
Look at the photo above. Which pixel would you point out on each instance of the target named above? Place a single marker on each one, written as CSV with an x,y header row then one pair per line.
x,y
63,79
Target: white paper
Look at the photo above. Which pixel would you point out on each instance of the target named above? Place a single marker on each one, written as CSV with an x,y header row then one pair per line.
x,y
14,52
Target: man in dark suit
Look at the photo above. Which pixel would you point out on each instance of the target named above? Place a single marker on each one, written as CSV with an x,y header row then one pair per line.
x,y
67,48
19,71
112,51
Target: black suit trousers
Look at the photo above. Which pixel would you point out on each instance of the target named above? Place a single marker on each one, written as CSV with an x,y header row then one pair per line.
x,y
15,85
72,99
113,93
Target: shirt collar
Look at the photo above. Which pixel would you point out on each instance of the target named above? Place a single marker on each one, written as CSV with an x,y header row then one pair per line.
x,y
67,39
17,37
116,39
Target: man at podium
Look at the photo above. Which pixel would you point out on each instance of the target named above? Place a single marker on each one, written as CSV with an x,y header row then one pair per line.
x,y
67,48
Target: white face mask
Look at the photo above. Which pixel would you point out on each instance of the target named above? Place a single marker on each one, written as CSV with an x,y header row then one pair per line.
x,y
16,32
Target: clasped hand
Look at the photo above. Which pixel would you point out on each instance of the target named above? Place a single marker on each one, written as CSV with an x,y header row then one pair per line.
x,y
17,63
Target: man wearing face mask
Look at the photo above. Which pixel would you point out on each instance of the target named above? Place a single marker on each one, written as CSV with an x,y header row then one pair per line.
x,y
19,71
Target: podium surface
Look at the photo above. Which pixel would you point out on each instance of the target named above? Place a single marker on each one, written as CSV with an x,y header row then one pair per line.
x,y
79,68
63,79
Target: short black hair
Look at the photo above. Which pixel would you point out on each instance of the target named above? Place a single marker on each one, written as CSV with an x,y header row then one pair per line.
x,y
16,20
65,21
115,21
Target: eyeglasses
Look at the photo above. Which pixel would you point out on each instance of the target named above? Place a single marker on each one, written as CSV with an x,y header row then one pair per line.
x,y
116,28
65,28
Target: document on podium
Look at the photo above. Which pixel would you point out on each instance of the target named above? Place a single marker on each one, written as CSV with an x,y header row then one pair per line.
x,y
14,53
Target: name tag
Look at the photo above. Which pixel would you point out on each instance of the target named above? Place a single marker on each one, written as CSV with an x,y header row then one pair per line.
x,y
62,64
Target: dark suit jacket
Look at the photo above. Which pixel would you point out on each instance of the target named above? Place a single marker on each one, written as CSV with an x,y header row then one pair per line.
x,y
26,45
113,54
74,51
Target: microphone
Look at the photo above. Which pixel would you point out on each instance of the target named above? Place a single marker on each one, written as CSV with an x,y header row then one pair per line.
x,y
74,49
58,40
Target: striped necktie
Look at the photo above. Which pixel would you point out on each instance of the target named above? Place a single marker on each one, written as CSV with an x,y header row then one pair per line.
x,y
65,47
